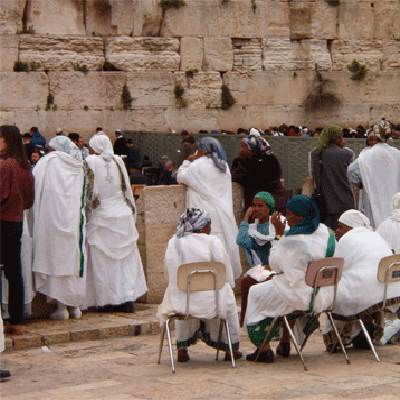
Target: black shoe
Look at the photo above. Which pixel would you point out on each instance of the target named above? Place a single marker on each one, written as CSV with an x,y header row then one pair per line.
x,y
236,355
252,356
4,373
183,355
265,356
283,349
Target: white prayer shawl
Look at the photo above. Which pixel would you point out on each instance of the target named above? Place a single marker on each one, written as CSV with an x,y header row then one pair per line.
x,y
115,270
211,189
197,247
359,287
59,228
380,173
390,230
288,292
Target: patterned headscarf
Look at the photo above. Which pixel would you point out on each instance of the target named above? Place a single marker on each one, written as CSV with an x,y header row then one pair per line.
x,y
268,200
64,144
355,218
101,144
214,151
328,135
303,206
192,220
381,130
257,144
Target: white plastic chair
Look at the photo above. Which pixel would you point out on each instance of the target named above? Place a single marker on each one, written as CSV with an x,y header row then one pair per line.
x,y
320,273
193,277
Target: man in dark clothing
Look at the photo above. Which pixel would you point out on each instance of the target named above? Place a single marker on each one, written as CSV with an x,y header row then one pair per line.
x,y
133,157
36,138
188,146
329,162
136,177
29,147
120,147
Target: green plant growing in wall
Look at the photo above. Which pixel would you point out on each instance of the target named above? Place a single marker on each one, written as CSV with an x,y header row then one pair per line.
x,y
54,107
26,31
227,100
49,102
126,98
20,66
254,6
86,108
358,70
81,68
178,93
190,73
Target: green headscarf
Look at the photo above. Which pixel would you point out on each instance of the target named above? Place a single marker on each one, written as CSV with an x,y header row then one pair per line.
x,y
303,206
328,135
268,200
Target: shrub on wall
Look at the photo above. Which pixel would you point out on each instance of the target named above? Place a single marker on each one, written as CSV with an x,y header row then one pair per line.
x,y
167,4
20,66
333,3
227,100
358,70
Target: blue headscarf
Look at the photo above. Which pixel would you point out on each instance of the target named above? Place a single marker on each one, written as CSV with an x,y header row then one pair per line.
x,y
305,207
257,144
192,220
214,151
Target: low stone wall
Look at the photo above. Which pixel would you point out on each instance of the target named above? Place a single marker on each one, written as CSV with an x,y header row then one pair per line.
x,y
158,211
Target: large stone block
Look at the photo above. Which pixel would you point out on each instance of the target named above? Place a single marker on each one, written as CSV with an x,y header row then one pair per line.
x,y
23,91
246,55
52,53
386,21
147,18
11,15
368,52
58,17
143,54
151,88
383,88
356,21
191,52
9,52
218,54
391,55
300,17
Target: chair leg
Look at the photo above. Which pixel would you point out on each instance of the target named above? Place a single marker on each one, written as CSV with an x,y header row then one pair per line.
x,y
266,336
219,337
161,343
170,344
295,343
366,334
228,335
338,337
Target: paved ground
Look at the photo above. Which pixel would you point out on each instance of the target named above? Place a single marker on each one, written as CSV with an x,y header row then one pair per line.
x,y
126,367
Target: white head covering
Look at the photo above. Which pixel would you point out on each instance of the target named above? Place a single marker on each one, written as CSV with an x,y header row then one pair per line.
x,y
101,144
355,218
254,132
64,144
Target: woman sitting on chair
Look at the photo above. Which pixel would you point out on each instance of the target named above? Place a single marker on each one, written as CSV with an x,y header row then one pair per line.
x,y
192,242
306,241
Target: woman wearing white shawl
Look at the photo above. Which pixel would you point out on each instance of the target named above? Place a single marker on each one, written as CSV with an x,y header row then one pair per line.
x,y
359,289
115,271
193,243
390,228
59,257
377,170
209,187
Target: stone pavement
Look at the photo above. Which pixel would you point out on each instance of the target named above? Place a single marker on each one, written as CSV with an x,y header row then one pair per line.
x,y
121,368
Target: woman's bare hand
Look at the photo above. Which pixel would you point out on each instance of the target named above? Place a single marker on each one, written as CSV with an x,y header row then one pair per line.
x,y
277,223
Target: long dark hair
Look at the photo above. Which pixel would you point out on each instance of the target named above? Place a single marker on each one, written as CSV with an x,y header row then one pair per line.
x,y
15,149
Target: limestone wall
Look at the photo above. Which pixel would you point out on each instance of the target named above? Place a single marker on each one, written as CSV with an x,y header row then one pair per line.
x,y
158,211
83,52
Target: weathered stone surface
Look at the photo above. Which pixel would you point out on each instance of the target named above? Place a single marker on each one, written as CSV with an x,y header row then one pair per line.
x,y
218,54
300,17
143,54
368,52
61,17
10,15
9,51
391,55
25,91
191,52
246,55
26,341
57,53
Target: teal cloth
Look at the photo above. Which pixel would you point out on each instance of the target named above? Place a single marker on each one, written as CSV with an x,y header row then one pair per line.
x,y
268,200
244,240
303,206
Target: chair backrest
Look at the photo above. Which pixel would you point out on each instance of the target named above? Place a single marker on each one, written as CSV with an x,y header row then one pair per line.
x,y
201,281
324,272
389,269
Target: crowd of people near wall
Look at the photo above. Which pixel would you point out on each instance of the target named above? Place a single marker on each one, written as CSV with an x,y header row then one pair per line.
x,y
71,209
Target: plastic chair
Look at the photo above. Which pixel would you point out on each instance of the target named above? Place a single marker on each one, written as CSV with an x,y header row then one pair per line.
x,y
320,273
193,277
